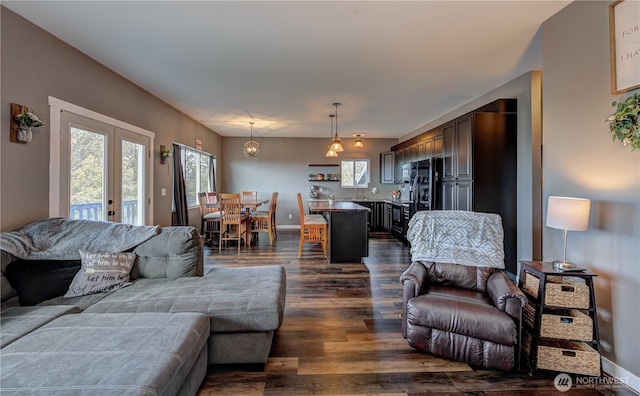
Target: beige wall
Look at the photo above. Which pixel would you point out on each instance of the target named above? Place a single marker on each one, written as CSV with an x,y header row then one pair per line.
x,y
580,160
283,166
36,65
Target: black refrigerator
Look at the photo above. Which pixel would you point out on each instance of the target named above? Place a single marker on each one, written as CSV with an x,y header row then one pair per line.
x,y
426,185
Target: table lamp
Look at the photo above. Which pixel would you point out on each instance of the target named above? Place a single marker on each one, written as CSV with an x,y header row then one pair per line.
x,y
567,214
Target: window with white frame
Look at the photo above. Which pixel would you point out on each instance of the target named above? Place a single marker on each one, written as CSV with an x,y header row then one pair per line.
x,y
354,173
197,174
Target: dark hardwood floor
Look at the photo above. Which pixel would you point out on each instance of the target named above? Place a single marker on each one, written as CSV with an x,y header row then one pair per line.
x,y
341,333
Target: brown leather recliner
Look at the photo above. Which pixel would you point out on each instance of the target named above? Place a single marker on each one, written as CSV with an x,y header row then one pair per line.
x,y
462,312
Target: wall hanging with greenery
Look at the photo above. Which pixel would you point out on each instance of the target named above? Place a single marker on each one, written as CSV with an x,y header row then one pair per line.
x,y
624,122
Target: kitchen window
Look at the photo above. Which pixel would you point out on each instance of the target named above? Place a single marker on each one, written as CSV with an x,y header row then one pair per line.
x,y
354,173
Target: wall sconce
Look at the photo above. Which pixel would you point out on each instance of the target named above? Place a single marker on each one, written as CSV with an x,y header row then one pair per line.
x,y
567,214
22,120
165,154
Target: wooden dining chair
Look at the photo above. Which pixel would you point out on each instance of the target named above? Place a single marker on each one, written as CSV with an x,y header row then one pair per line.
x,y
249,197
265,221
313,228
210,217
234,222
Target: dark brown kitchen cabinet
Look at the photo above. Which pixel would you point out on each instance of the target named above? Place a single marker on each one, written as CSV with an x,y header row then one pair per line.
x,y
457,195
458,149
387,167
480,170
378,223
376,216
479,165
449,150
463,164
387,216
437,146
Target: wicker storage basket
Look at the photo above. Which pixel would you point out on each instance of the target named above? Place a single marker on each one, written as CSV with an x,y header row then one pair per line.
x,y
531,284
571,325
529,314
568,356
526,342
560,291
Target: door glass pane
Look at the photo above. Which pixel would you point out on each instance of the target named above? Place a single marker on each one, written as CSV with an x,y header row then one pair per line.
x,y
132,183
87,175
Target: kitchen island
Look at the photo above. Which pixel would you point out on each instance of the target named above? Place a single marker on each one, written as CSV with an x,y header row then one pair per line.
x,y
348,231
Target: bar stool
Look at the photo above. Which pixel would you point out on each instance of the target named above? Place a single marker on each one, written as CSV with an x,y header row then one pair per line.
x,y
313,228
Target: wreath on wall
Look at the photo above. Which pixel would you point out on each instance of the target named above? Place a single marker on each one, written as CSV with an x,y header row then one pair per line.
x,y
624,122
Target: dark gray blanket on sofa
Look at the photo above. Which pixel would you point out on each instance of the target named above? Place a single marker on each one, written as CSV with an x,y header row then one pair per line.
x,y
61,239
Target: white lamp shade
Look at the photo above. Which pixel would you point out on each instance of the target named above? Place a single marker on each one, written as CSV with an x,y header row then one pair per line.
x,y
566,213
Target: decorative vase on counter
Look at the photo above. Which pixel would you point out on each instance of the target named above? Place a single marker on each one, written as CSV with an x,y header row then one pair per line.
x,y
331,201
24,134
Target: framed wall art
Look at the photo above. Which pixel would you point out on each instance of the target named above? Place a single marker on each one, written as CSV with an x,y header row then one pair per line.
x,y
624,44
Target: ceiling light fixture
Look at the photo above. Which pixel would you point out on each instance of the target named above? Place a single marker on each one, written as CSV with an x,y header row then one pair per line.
x,y
251,148
335,145
358,143
331,152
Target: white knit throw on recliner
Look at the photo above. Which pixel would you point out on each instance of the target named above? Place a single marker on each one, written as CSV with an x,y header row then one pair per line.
x,y
457,237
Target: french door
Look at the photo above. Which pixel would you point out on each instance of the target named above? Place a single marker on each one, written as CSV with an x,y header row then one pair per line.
x,y
103,171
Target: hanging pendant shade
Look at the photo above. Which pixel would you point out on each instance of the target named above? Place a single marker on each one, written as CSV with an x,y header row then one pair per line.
x,y
331,152
335,144
251,148
358,143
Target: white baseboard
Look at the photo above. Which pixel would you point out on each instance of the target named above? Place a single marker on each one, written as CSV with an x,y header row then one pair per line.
x,y
632,381
288,227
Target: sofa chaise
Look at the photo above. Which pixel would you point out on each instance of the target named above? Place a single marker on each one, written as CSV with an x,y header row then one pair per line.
x,y
157,321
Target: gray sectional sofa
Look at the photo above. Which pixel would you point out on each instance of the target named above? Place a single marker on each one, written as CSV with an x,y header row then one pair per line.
x,y
155,336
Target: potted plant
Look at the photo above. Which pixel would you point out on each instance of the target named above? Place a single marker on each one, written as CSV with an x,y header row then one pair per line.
x,y
624,122
26,120
332,199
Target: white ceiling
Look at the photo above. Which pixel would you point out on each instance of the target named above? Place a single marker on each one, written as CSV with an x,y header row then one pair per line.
x,y
395,66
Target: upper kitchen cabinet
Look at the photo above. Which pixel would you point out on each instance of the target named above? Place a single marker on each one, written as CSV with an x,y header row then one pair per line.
x,y
479,152
387,167
437,145
425,149
458,153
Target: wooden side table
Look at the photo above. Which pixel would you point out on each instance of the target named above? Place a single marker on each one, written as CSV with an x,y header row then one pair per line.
x,y
561,331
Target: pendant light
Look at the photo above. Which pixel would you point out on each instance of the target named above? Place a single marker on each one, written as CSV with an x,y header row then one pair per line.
x,y
251,148
335,145
358,143
331,152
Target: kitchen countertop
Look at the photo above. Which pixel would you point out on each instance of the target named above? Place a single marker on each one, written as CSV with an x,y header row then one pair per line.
x,y
360,200
338,206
